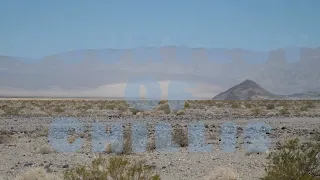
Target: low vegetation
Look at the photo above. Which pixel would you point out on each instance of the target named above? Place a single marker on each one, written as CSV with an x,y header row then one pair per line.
x,y
294,161
180,137
123,108
115,168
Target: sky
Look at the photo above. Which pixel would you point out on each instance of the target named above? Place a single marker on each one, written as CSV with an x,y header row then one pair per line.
x,y
36,28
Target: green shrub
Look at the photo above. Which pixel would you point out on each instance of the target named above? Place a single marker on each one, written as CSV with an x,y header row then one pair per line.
x,y
186,105
294,161
115,168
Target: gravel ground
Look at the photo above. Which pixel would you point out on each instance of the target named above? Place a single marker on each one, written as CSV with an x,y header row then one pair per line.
x,y
21,151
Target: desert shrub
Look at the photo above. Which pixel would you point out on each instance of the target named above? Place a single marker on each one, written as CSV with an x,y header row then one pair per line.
x,y
256,111
316,137
163,102
186,105
235,105
294,161
37,174
122,108
72,139
115,168
181,112
127,143
114,147
44,149
134,111
165,108
58,109
219,105
270,106
180,137
310,104
151,144
222,173
284,111
248,105
304,108
5,137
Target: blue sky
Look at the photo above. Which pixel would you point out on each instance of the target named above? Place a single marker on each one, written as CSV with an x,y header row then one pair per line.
x,y
35,28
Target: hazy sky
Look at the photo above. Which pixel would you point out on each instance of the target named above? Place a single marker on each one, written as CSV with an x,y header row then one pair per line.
x,y
35,28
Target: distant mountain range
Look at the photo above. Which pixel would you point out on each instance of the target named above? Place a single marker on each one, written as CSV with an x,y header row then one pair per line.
x,y
249,90
105,72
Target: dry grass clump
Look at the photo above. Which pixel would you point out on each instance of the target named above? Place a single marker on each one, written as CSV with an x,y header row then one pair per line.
x,y
115,168
222,173
294,161
37,174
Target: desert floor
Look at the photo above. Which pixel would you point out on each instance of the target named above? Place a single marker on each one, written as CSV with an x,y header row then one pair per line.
x,y
26,124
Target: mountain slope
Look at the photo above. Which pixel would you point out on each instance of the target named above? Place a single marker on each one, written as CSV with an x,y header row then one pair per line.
x,y
247,90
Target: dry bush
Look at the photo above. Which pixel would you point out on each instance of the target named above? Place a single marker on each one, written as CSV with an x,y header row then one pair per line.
x,y
294,161
181,112
44,149
127,145
5,137
165,108
180,137
284,111
235,105
72,139
115,168
163,102
186,105
270,106
248,105
37,174
151,144
310,104
256,111
58,109
122,108
222,173
108,148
